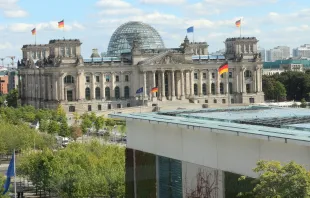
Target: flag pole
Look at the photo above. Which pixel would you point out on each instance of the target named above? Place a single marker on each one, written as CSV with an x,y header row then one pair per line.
x,y
240,27
14,175
35,37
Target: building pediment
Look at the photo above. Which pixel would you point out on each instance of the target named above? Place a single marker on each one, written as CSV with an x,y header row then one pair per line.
x,y
164,58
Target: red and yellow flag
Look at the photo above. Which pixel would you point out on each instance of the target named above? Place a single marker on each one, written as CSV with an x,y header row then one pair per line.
x,y
61,24
154,89
223,68
34,31
238,23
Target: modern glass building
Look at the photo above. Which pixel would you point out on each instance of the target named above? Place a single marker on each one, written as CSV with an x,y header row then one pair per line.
x,y
145,35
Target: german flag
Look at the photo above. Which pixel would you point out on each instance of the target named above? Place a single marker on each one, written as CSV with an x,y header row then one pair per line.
x,y
34,31
238,23
61,24
154,89
223,68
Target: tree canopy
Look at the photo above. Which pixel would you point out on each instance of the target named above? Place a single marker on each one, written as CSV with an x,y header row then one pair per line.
x,y
297,85
277,180
79,170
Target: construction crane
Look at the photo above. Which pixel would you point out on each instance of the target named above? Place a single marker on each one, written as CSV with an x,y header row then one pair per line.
x,y
12,58
2,59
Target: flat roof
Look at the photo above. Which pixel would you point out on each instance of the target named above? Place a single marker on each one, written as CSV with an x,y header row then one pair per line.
x,y
270,122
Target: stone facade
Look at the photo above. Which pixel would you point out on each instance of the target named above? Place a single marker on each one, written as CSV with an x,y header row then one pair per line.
x,y
56,73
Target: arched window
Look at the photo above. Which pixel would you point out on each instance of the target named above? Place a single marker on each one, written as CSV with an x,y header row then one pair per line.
x,y
126,91
247,74
221,88
213,88
116,91
204,89
69,79
87,93
195,89
107,93
97,93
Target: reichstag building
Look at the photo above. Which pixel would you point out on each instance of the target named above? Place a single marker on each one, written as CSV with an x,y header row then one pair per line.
x,y
56,73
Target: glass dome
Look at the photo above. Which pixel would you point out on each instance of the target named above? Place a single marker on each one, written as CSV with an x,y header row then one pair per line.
x,y
145,35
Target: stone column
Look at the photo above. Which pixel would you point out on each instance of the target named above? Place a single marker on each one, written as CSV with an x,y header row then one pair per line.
x,y
254,77
102,86
112,92
172,85
61,88
227,82
49,88
217,84
154,85
200,83
209,82
182,85
243,80
56,87
163,97
77,86
144,85
236,81
93,86
122,79
191,83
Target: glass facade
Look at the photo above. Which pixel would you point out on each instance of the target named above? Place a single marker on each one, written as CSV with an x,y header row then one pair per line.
x,y
123,37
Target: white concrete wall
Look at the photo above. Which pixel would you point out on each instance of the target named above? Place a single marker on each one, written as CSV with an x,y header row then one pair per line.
x,y
212,148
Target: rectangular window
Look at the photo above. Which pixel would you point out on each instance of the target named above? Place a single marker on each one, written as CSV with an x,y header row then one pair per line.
x,y
126,78
97,79
128,104
99,107
223,101
213,75
195,76
204,75
89,107
206,101
107,78
222,75
248,88
230,74
87,79
119,106
109,106
116,78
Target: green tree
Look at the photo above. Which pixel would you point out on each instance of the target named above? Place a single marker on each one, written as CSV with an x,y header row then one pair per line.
x,y
2,180
279,91
61,114
12,98
2,100
79,170
86,123
53,127
303,103
76,131
43,127
64,130
99,123
276,180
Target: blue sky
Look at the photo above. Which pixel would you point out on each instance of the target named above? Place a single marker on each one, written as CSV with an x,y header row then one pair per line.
x,y
273,22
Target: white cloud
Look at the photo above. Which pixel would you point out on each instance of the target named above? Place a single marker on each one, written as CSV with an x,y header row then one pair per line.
x,y
5,45
118,12
11,9
113,4
46,26
173,2
15,13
